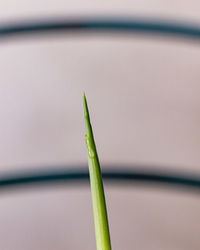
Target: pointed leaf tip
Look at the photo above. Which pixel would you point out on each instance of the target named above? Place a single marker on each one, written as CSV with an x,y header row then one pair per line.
x,y
86,112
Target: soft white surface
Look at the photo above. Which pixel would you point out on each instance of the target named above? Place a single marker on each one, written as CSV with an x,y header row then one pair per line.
x,y
147,91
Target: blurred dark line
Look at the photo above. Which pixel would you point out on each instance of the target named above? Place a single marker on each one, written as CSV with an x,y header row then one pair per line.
x,y
114,176
31,27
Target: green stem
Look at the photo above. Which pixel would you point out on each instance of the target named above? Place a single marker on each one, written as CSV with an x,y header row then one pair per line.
x,y
98,198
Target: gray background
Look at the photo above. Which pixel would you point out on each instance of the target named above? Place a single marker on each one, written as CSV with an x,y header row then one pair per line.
x,y
143,94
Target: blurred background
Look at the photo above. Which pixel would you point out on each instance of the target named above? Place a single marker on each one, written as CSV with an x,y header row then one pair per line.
x,y
143,95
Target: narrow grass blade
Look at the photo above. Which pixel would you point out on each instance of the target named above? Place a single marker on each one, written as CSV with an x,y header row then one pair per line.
x,y
98,198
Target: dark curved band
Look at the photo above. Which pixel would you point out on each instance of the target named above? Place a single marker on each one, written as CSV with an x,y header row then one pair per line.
x,y
159,27
80,175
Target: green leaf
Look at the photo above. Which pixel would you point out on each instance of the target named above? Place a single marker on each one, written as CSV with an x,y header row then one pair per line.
x,y
98,197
